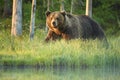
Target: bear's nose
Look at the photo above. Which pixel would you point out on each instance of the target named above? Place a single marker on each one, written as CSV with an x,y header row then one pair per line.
x,y
54,24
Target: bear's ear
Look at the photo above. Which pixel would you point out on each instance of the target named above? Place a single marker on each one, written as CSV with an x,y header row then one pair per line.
x,y
47,13
63,13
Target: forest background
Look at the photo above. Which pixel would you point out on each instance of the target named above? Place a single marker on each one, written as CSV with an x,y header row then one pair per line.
x,y
105,12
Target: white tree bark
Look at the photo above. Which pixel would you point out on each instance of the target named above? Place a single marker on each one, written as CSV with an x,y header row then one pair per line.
x,y
48,9
89,8
71,10
48,5
62,6
32,23
16,29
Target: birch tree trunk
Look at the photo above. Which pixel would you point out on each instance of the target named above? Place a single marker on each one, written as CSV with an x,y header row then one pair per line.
x,y
48,9
71,10
48,5
16,29
32,23
62,5
89,8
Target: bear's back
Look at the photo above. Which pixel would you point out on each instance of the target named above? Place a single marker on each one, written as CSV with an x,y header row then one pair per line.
x,y
83,26
73,25
91,27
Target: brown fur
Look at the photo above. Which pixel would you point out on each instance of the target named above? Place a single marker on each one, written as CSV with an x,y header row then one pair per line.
x,y
68,26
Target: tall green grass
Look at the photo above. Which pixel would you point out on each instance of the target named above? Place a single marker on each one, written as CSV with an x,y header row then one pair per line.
x,y
73,53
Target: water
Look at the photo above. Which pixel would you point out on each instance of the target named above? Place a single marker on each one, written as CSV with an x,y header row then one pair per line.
x,y
59,74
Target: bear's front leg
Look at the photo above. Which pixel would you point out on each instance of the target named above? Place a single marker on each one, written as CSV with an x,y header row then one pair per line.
x,y
49,35
65,36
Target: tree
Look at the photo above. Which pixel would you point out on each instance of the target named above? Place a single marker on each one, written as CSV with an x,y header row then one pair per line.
x,y
16,29
89,8
48,9
75,5
32,23
71,10
62,5
48,5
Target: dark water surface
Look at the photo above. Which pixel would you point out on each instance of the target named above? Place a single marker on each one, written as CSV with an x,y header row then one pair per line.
x,y
59,74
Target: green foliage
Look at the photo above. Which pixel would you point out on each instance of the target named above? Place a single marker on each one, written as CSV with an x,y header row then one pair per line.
x,y
105,12
1,6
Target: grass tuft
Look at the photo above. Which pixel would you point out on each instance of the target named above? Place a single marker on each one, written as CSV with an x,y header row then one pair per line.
x,y
73,53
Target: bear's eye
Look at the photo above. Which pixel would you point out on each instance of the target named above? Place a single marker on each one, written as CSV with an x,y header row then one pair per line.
x,y
57,18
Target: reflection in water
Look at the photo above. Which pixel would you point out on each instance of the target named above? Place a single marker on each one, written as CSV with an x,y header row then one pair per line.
x,y
59,74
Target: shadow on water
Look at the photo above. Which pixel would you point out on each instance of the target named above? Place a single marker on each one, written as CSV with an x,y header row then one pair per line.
x,y
59,74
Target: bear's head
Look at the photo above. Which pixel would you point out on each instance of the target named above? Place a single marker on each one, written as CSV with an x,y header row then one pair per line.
x,y
55,20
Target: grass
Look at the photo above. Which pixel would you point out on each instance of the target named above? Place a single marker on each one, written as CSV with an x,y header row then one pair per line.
x,y
73,53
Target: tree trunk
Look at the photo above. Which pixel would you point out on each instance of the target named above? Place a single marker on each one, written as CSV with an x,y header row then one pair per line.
x,y
32,23
89,8
62,6
71,10
16,29
7,8
48,9
48,5
44,3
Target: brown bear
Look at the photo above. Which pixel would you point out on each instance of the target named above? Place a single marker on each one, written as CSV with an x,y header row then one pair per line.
x,y
68,26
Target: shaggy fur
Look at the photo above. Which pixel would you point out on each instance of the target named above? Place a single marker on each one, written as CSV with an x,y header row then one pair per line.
x,y
68,26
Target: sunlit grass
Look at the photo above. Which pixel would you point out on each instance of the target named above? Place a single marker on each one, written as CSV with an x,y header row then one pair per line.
x,y
73,53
